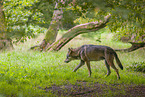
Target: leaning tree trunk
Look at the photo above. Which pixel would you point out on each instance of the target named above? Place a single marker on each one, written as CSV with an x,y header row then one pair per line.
x,y
52,31
5,41
73,32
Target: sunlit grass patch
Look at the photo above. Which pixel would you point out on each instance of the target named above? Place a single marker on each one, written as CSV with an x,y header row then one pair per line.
x,y
31,70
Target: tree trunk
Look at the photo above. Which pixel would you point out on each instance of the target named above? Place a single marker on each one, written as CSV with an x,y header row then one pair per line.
x,y
134,47
52,31
73,32
5,41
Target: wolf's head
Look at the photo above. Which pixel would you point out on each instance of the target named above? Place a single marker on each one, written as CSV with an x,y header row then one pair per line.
x,y
71,55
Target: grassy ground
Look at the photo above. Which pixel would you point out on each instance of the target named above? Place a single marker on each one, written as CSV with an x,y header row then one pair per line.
x,y
26,73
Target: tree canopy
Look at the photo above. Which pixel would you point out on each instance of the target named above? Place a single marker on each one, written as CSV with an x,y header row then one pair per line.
x,y
127,16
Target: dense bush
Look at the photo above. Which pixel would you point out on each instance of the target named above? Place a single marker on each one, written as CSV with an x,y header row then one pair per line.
x,y
137,66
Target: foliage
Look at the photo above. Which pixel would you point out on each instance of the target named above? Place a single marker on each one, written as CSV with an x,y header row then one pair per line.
x,y
138,66
25,18
128,18
96,35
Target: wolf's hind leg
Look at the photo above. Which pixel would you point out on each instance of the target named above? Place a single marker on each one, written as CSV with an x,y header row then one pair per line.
x,y
80,64
113,66
108,68
109,58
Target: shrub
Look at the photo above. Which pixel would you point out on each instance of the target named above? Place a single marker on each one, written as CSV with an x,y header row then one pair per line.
x,y
137,66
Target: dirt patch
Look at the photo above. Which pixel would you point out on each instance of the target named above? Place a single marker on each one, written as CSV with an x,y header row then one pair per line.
x,y
84,89
135,91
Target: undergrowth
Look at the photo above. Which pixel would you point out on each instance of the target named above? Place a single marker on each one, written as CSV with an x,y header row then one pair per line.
x,y
137,66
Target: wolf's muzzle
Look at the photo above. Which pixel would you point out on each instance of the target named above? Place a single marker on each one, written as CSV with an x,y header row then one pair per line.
x,y
66,61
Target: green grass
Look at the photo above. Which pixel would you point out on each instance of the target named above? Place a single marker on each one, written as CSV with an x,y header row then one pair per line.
x,y
26,73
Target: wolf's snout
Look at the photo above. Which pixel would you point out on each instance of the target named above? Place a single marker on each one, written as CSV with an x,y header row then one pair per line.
x,y
66,61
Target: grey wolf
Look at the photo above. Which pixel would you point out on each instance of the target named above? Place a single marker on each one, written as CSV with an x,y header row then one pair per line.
x,y
87,53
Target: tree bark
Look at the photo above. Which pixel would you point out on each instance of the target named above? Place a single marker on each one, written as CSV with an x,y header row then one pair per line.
x,y
5,41
52,31
134,47
73,32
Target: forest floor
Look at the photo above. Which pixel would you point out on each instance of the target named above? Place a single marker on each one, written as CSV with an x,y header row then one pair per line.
x,y
85,89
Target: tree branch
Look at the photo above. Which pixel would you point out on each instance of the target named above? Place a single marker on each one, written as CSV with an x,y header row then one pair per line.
x,y
79,29
134,47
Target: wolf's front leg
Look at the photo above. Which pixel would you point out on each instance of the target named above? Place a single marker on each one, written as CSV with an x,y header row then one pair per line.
x,y
80,64
89,67
108,68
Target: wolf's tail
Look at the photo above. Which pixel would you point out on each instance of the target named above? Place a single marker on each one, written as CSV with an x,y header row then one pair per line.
x,y
118,61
